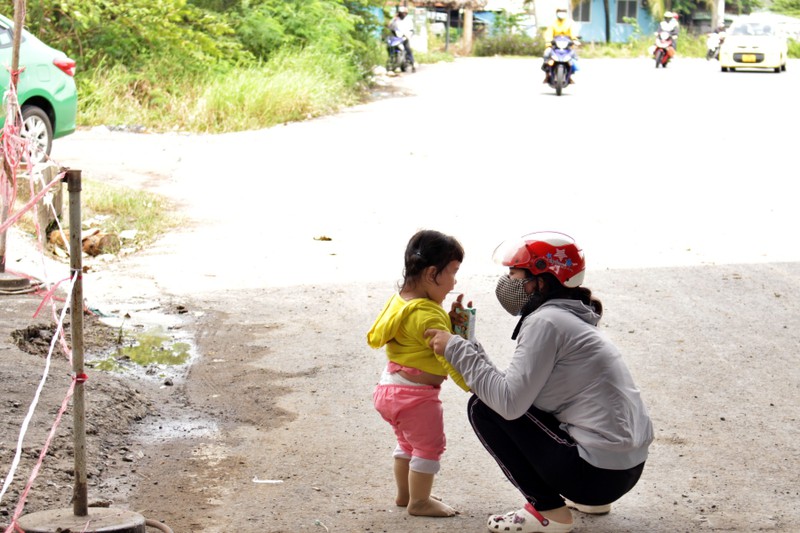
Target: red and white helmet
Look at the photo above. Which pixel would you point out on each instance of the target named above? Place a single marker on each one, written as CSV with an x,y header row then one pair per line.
x,y
544,251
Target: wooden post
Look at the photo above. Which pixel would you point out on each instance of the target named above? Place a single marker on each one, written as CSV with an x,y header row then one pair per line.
x,y
447,31
45,214
3,218
80,505
19,19
19,23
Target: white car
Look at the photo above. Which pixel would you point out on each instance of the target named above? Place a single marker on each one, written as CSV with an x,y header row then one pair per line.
x,y
753,43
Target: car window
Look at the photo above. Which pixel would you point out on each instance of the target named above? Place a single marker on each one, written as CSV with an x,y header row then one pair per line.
x,y
6,37
743,29
753,28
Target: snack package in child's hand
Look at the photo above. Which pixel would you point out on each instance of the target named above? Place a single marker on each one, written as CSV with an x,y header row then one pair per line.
x,y
467,329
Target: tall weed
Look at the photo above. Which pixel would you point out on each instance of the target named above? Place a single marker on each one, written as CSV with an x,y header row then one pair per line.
x,y
794,48
509,45
292,85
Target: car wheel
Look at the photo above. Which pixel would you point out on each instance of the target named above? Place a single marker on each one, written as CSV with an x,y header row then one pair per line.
x,y
724,69
37,129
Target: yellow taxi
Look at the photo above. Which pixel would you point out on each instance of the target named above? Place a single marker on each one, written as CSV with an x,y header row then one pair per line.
x,y
753,43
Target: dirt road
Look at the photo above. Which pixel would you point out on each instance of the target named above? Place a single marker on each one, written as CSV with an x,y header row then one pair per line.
x,y
273,430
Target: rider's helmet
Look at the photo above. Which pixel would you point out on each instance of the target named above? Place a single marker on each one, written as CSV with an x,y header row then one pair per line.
x,y
544,251
402,10
561,13
668,16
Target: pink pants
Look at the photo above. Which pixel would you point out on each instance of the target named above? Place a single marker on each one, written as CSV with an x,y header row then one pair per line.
x,y
415,414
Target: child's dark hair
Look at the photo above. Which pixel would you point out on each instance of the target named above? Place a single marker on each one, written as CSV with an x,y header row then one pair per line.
x,y
429,248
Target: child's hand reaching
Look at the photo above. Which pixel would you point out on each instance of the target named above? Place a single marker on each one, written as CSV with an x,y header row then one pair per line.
x,y
458,319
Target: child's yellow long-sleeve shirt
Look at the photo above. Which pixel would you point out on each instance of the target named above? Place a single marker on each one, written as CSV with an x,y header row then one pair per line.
x,y
401,327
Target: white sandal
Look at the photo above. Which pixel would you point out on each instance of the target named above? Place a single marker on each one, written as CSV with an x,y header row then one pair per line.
x,y
526,520
589,509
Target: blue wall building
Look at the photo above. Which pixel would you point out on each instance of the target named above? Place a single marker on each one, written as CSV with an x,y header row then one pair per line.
x,y
590,14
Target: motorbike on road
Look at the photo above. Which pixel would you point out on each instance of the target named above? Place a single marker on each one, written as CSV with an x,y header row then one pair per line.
x,y
663,50
713,42
561,63
398,57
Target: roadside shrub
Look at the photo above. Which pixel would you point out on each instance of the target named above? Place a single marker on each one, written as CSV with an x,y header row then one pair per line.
x,y
794,48
267,26
433,56
292,86
507,38
134,31
508,45
688,46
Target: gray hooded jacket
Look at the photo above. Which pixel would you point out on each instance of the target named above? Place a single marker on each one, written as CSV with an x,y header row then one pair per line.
x,y
563,364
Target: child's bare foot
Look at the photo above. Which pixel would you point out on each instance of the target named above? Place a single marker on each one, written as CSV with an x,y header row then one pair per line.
x,y
430,507
403,501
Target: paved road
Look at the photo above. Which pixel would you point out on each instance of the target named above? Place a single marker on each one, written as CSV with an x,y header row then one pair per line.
x,y
677,182
648,167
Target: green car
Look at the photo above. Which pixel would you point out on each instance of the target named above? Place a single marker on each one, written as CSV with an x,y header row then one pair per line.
x,y
46,89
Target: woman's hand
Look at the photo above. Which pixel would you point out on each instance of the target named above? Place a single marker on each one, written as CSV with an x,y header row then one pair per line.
x,y
438,339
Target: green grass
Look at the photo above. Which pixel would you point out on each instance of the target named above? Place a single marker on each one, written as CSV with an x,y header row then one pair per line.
x,y
289,88
794,48
688,46
112,210
434,56
120,209
292,86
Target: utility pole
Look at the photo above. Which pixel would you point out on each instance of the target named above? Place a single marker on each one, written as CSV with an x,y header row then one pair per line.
x,y
717,14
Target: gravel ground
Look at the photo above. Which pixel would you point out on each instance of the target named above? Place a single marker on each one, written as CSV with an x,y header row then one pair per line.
x,y
279,388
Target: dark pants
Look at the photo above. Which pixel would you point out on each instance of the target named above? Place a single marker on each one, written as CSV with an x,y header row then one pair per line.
x,y
409,53
542,461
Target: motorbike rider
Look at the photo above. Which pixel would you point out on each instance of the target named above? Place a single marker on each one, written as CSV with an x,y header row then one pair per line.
x,y
562,26
721,31
714,41
403,27
670,25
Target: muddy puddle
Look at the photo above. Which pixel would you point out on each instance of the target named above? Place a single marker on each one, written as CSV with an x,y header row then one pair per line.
x,y
150,345
157,345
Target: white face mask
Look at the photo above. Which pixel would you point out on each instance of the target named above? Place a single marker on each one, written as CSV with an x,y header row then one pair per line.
x,y
511,294
561,16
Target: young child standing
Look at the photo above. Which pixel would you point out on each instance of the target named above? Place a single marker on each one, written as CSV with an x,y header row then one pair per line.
x,y
407,395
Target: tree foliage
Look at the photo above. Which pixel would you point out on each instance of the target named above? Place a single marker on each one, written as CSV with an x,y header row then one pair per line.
x,y
133,31
266,26
198,34
272,24
787,7
686,8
